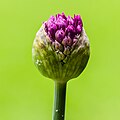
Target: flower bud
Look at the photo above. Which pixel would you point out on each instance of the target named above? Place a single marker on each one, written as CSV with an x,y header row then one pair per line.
x,y
61,48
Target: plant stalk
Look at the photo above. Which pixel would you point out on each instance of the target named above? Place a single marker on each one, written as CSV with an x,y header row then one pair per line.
x,y
59,101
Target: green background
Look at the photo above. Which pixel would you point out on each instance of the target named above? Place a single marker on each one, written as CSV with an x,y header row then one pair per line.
x,y
27,95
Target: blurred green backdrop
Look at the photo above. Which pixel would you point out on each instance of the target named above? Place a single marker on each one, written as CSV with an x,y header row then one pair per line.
x,y
26,95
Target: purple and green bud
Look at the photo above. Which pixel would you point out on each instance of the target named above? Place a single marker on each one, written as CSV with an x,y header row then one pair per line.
x,y
61,47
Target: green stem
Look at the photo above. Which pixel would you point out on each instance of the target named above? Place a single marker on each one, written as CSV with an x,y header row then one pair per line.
x,y
59,101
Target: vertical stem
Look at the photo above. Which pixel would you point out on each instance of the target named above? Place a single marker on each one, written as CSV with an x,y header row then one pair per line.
x,y
59,101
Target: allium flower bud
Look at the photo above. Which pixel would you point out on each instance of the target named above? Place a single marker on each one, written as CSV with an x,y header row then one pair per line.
x,y
61,48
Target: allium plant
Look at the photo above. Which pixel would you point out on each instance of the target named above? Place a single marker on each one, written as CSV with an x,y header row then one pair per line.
x,y
60,52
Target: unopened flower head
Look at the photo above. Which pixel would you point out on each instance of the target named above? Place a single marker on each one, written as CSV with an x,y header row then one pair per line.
x,y
61,47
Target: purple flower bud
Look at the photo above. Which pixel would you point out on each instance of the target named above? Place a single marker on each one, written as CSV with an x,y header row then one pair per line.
x,y
78,29
67,41
52,27
70,28
61,24
70,20
63,15
59,35
78,21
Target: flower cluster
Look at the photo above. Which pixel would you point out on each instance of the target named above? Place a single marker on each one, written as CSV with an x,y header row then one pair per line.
x,y
61,48
63,28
